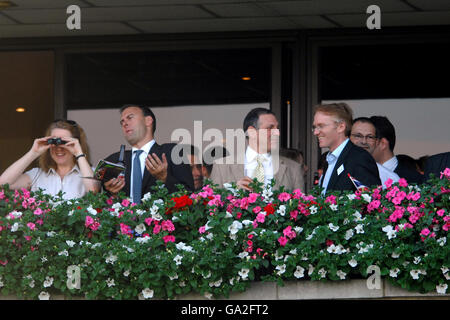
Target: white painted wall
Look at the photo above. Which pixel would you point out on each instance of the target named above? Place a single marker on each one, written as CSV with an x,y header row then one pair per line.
x,y
422,126
105,136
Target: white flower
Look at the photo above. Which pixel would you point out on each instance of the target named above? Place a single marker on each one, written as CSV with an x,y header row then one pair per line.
x,y
417,260
140,228
293,251
242,255
91,210
227,215
63,253
359,228
353,263
349,234
142,239
126,273
51,234
341,274
216,283
44,259
247,222
313,209
415,274
366,197
140,212
110,282
282,210
442,288
310,269
281,269
235,227
298,229
441,241
299,272
111,258
357,216
322,272
390,231
208,295
147,293
178,259
173,277
393,273
395,255
182,284
183,246
444,269
147,196
333,227
48,281
44,296
15,227
334,207
208,275
14,214
244,273
70,243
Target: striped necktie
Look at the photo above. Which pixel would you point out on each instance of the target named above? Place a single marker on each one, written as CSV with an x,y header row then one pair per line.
x,y
259,170
137,177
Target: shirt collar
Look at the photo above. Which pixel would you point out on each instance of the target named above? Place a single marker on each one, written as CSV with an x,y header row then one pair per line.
x,y
146,147
392,163
74,169
332,156
250,155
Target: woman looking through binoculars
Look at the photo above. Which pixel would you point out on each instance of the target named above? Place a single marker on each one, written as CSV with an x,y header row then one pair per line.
x,y
63,161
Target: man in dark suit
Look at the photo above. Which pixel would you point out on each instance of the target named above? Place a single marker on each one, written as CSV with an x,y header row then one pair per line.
x,y
332,126
147,162
384,151
436,164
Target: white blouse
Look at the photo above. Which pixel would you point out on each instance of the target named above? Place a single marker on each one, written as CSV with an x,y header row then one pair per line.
x,y
72,183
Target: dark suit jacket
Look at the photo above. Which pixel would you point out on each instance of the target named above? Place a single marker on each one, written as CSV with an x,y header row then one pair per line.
x,y
411,175
436,164
361,166
176,174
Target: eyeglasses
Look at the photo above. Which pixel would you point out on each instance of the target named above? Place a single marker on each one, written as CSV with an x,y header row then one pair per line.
x,y
359,136
320,127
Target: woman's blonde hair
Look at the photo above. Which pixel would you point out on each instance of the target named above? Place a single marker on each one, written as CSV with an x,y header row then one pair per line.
x,y
45,161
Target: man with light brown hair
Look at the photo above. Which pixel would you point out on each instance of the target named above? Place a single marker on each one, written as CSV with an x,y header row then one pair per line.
x,y
332,126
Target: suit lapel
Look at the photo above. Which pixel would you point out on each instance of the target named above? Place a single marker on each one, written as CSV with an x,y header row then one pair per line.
x,y
279,181
128,164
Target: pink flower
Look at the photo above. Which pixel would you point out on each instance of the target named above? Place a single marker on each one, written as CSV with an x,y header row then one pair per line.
x,y
156,229
297,194
294,214
255,224
445,173
125,229
167,225
375,204
284,196
440,212
288,232
38,211
331,199
4,263
257,209
425,232
109,202
28,238
250,236
31,225
261,217
239,215
388,183
148,221
125,202
252,197
250,243
402,182
202,229
282,240
88,221
169,238
2,195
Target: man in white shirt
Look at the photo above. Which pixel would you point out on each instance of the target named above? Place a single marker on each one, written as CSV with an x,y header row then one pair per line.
x,y
363,134
261,159
148,161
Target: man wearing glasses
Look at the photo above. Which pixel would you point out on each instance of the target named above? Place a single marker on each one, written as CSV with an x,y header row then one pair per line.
x,y
364,135
332,126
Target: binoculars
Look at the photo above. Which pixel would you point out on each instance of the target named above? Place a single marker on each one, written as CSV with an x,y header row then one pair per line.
x,y
56,141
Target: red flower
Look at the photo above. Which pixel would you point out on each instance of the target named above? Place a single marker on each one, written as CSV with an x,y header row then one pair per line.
x,y
269,209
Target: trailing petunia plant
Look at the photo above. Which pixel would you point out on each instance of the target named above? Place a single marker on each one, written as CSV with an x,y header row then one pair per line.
x,y
218,240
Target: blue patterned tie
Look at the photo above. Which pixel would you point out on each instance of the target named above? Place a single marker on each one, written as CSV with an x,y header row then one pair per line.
x,y
137,177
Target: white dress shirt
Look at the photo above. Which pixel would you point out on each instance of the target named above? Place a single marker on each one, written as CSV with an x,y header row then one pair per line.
x,y
250,164
146,150
386,174
332,159
391,164
72,184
